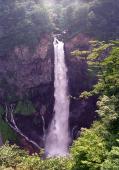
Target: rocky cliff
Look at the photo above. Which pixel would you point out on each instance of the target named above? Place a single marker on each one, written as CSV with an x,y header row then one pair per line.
x,y
30,73
25,68
82,111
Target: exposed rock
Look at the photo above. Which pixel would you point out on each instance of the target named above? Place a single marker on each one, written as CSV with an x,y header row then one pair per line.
x,y
82,112
25,69
76,41
33,72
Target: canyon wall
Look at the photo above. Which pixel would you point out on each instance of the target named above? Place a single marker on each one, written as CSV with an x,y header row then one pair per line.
x,y
30,72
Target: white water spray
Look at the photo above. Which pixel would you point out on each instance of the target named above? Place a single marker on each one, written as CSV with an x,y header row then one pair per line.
x,y
57,140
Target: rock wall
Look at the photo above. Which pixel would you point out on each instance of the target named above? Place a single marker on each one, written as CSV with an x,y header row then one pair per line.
x,y
32,72
82,112
25,69
28,74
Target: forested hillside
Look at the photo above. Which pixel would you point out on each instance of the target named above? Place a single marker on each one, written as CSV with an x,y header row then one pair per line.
x,y
24,22
90,32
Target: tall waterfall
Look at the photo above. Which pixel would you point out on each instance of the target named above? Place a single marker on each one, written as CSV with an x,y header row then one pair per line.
x,y
58,137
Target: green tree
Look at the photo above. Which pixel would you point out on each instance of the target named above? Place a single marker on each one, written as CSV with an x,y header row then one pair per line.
x,y
22,23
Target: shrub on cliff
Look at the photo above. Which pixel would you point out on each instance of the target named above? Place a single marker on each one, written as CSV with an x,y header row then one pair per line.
x,y
94,149
13,158
35,163
6,132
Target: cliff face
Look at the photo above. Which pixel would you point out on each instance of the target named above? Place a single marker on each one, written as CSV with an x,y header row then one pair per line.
x,y
32,73
82,112
25,68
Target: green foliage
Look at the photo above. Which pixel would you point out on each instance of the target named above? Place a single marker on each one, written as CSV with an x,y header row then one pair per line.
x,y
92,148
10,156
13,157
104,132
112,161
107,109
71,16
102,23
87,16
81,54
6,132
108,73
111,74
35,163
22,23
89,151
85,95
97,147
25,107
104,61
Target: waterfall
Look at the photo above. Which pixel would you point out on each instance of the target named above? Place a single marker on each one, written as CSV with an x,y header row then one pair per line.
x,y
57,140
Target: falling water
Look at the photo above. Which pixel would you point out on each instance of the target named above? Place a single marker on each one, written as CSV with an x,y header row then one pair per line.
x,y
58,137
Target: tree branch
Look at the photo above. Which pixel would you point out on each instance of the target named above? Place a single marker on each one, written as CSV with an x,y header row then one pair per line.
x,y
13,125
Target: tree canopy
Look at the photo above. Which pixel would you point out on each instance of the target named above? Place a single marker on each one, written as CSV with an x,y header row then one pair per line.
x,y
22,23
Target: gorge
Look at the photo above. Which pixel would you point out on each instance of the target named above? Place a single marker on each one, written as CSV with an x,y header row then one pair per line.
x,y
37,84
